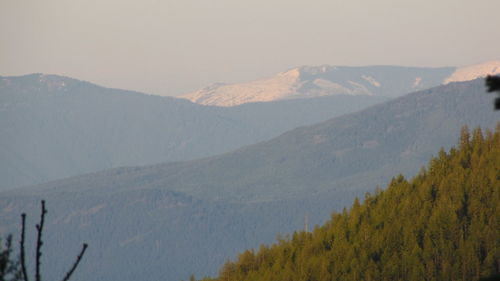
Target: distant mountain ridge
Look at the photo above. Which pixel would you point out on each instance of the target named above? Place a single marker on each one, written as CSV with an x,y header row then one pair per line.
x,y
189,217
397,136
314,81
53,127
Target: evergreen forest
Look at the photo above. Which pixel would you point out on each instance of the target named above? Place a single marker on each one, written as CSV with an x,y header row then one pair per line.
x,y
444,224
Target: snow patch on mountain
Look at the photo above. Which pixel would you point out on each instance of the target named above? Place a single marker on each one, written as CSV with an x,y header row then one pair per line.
x,y
268,89
417,82
371,80
359,89
472,72
325,80
52,82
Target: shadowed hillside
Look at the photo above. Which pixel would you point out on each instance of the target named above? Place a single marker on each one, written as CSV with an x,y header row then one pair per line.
x,y
54,127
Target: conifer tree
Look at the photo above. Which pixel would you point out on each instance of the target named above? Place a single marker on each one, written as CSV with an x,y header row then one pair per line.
x,y
444,224
493,84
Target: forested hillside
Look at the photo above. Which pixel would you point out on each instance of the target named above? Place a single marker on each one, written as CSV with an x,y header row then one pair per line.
x,y
444,224
191,217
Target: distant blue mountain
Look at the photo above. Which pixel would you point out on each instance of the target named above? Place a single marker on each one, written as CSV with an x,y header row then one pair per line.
x,y
166,221
54,127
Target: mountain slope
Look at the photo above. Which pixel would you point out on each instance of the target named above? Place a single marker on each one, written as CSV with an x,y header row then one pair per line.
x,y
314,81
54,127
189,217
442,225
395,137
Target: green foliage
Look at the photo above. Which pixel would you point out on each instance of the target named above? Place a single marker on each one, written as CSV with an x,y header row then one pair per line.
x,y
442,225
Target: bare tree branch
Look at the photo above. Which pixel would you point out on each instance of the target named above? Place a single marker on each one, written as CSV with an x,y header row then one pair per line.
x,y
23,252
39,242
70,272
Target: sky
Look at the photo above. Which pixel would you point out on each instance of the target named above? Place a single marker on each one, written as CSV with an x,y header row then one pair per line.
x,y
173,47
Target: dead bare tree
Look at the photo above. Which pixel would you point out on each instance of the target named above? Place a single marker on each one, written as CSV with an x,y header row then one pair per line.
x,y
39,243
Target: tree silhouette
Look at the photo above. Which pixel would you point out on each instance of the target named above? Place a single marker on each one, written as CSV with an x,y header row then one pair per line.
x,y
9,269
493,84
39,244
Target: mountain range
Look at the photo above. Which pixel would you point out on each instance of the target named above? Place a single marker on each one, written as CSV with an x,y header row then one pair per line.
x,y
189,217
54,127
314,81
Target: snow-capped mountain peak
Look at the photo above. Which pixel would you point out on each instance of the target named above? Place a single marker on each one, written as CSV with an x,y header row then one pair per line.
x,y
326,80
472,72
267,89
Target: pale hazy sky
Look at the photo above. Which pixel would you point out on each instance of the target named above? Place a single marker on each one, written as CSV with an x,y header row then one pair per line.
x,y
172,47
